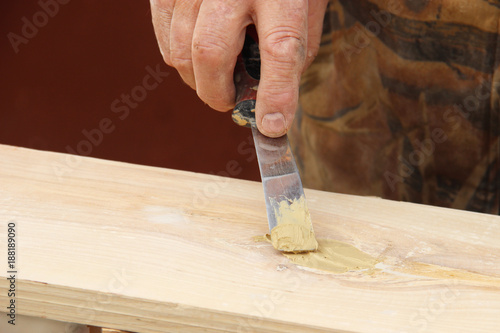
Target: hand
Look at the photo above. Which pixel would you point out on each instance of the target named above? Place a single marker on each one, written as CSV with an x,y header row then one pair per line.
x,y
202,39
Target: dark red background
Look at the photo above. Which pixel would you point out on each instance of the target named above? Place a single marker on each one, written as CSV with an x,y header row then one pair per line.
x,y
64,79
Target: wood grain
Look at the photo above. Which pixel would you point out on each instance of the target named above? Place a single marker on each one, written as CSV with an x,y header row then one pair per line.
x,y
146,249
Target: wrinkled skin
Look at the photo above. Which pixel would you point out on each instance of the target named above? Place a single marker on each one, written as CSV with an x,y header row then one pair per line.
x,y
201,39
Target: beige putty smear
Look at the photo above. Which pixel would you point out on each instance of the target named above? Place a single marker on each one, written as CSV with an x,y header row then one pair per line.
x,y
334,256
294,232
331,256
294,237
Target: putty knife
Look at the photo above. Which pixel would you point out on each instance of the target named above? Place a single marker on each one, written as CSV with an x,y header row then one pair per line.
x,y
284,195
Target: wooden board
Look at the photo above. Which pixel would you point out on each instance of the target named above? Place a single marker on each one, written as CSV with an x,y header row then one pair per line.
x,y
154,250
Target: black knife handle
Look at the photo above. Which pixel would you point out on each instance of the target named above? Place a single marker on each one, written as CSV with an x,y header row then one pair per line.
x,y
246,81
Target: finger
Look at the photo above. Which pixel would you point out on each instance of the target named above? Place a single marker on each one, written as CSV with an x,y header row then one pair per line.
x,y
282,29
161,12
218,38
316,15
181,36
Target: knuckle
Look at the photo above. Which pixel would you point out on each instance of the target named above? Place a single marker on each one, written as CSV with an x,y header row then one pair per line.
x,y
279,99
181,62
285,34
285,44
210,46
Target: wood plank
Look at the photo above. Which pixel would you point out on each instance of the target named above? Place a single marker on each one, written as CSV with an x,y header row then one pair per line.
x,y
152,250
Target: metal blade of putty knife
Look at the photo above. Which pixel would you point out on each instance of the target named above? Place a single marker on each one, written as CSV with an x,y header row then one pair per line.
x,y
287,213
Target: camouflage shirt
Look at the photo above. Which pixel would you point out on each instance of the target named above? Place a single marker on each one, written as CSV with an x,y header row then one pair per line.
x,y
402,102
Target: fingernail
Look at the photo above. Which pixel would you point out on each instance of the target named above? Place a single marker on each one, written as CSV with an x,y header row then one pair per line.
x,y
274,124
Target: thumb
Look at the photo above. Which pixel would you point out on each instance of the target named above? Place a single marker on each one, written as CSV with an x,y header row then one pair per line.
x,y
282,30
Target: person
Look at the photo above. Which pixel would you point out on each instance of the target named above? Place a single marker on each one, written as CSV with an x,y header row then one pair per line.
x,y
398,99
